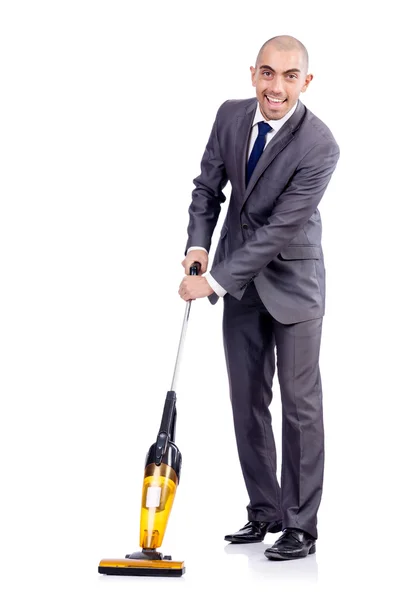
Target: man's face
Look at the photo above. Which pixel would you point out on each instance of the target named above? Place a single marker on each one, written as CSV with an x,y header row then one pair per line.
x,y
279,78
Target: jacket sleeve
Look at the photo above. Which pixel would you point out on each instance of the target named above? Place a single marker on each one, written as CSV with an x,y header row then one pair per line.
x,y
207,195
291,212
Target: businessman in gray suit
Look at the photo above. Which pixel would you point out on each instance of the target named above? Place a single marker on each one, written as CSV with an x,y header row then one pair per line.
x,y
269,269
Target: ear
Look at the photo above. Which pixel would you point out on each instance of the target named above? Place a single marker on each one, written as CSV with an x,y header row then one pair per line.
x,y
308,79
253,76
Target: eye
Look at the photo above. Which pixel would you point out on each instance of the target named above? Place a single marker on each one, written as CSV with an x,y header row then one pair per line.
x,y
266,73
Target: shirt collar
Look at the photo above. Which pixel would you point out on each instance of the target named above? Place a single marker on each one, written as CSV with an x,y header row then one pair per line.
x,y
275,125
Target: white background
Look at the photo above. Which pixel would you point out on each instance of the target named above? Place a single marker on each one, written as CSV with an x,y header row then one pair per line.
x,y
105,111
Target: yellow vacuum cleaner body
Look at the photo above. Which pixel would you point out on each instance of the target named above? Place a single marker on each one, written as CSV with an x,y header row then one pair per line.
x,y
160,483
158,493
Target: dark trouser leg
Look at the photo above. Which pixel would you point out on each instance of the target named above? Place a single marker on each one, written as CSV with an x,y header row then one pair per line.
x,y
298,349
250,360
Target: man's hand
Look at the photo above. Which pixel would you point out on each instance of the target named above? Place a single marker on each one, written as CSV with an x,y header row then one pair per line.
x,y
194,286
195,255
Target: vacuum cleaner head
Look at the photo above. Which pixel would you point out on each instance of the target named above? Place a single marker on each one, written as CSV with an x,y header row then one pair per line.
x,y
143,563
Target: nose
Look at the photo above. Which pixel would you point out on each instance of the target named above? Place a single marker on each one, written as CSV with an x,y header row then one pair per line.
x,y
277,87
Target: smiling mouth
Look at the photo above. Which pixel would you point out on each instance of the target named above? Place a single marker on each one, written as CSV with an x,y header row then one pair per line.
x,y
275,101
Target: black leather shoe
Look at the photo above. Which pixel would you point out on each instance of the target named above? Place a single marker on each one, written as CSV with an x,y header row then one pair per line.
x,y
253,531
293,543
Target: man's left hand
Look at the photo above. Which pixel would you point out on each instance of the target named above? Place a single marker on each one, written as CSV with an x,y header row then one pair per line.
x,y
194,286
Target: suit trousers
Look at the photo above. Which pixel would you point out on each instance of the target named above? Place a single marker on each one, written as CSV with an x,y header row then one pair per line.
x,y
252,341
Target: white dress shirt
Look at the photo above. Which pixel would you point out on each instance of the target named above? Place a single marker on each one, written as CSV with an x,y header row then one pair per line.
x,y
276,126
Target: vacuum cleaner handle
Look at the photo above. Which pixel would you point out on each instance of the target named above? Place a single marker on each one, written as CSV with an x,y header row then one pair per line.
x,y
194,270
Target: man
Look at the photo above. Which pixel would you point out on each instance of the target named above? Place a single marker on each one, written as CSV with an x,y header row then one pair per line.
x,y
269,269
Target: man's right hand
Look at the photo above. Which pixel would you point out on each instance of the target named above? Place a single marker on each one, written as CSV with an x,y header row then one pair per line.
x,y
200,256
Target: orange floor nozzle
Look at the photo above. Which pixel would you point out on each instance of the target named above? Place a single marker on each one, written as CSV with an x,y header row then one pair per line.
x,y
143,563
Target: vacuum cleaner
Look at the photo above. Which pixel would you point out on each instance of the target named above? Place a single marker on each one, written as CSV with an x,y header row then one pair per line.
x,y
160,482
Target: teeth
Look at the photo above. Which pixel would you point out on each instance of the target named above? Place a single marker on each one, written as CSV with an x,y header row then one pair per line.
x,y
274,99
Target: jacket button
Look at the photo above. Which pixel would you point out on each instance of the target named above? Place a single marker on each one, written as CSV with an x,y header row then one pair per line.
x,y
245,226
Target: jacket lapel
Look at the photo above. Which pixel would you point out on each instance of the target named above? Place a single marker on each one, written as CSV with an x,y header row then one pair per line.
x,y
275,146
243,130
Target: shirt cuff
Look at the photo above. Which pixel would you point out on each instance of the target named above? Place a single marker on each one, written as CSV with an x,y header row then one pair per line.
x,y
196,248
218,289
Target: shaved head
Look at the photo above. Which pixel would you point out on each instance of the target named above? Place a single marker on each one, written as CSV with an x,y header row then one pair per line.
x,y
285,43
280,75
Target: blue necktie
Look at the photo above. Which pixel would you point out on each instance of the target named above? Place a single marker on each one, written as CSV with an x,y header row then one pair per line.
x,y
256,153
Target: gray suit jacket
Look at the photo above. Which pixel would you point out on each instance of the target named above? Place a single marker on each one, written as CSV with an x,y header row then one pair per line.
x,y
272,230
